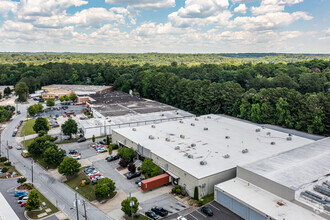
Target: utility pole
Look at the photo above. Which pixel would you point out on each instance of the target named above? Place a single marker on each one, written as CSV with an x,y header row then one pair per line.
x,y
77,206
0,141
32,170
8,153
84,203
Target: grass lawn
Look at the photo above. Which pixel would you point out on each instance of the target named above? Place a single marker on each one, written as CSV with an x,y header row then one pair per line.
x,y
142,217
10,170
28,127
34,214
28,142
208,198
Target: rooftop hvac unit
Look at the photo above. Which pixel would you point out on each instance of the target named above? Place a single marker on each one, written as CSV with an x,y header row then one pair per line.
x,y
289,138
192,124
244,151
258,130
226,156
151,137
227,137
177,148
190,156
263,127
327,207
182,136
133,129
193,145
203,162
162,115
177,113
272,143
196,119
290,134
153,126
208,116
322,190
167,139
268,133
205,129
186,155
181,122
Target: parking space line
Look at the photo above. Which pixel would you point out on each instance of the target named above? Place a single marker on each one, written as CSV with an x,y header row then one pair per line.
x,y
214,207
192,216
201,214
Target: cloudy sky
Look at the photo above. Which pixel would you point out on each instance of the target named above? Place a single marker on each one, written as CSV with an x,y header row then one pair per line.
x,y
175,26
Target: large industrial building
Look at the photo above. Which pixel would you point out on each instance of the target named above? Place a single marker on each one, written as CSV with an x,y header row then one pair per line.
x,y
117,109
59,90
204,151
290,185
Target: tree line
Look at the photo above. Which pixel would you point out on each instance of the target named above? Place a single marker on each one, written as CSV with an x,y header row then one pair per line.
x,y
293,95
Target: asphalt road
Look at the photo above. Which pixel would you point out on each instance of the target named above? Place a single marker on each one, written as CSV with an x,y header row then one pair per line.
x,y
57,192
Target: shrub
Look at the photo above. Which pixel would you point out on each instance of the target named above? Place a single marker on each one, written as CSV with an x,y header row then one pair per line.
x,y
183,193
177,187
4,170
3,159
178,191
173,190
7,163
124,162
200,203
21,180
131,168
196,193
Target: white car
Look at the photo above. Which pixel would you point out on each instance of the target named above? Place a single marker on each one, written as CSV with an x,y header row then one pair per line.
x,y
93,172
24,199
181,218
101,150
76,156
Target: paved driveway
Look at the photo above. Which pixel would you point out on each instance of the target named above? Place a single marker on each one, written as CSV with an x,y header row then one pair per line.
x,y
76,108
82,148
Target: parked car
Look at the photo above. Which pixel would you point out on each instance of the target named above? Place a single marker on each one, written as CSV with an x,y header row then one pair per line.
x,y
73,152
93,172
81,140
18,147
138,180
112,158
181,218
25,153
100,149
102,142
14,134
95,175
83,118
18,112
207,211
23,204
89,170
159,211
152,215
24,199
133,175
20,193
76,156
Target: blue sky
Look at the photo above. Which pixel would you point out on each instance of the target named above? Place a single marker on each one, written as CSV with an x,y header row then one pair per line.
x,y
170,26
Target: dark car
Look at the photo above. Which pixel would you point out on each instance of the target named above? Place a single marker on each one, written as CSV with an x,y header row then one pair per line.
x,y
159,211
89,170
152,215
133,175
18,112
112,158
81,140
207,211
103,142
73,152
138,180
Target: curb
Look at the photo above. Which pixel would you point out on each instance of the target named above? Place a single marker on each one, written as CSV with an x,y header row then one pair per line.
x,y
47,216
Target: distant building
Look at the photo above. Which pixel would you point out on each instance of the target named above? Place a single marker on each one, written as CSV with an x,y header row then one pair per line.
x,y
204,151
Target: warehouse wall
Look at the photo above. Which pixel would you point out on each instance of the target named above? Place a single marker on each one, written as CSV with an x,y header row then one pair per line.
x,y
267,184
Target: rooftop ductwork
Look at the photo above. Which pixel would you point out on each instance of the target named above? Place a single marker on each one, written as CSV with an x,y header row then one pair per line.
x,y
192,124
133,129
177,148
226,156
244,151
153,126
203,162
151,137
205,129
258,130
182,136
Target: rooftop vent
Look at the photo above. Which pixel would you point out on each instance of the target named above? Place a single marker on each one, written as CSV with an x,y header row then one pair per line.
x,y
244,151
133,129
186,155
181,122
153,126
177,148
258,130
268,133
192,124
227,137
162,115
196,119
263,127
177,113
203,162
182,136
272,143
167,139
226,156
205,129
208,116
193,145
151,137
190,156
289,138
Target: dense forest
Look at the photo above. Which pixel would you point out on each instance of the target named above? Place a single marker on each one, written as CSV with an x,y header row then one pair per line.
x,y
155,58
293,95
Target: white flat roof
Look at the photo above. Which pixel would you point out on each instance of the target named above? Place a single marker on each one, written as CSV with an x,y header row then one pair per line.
x,y
211,144
264,201
298,167
6,212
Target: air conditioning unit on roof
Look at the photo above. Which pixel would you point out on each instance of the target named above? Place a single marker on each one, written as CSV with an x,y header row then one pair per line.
x,y
226,156
151,137
192,124
203,162
205,129
182,136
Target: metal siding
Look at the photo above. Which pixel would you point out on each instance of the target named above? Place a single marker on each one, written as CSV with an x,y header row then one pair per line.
x,y
240,209
224,200
253,215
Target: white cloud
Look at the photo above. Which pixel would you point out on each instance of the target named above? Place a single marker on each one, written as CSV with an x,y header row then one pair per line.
x,y
7,6
144,4
269,6
240,9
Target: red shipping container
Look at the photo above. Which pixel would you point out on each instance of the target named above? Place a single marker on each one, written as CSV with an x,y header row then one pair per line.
x,y
155,182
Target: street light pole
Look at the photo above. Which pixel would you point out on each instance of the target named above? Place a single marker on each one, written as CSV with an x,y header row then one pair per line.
x,y
32,170
84,203
8,153
77,206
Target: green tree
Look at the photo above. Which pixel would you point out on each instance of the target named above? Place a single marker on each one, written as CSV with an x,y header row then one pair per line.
x,y
130,206
66,98
62,99
104,188
132,168
33,109
126,152
7,91
33,202
50,102
283,113
22,91
108,140
196,196
149,168
73,96
41,124
53,156
93,138
40,144
70,127
21,180
110,149
69,167
255,113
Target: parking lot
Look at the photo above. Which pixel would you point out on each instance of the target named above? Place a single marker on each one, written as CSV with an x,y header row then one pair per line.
x,y
219,212
52,112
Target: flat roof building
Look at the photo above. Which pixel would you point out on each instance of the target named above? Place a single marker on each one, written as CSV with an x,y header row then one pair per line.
x,y
6,212
281,183
203,151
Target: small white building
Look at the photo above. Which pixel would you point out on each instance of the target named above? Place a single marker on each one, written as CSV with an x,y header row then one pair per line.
x,y
6,212
204,151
